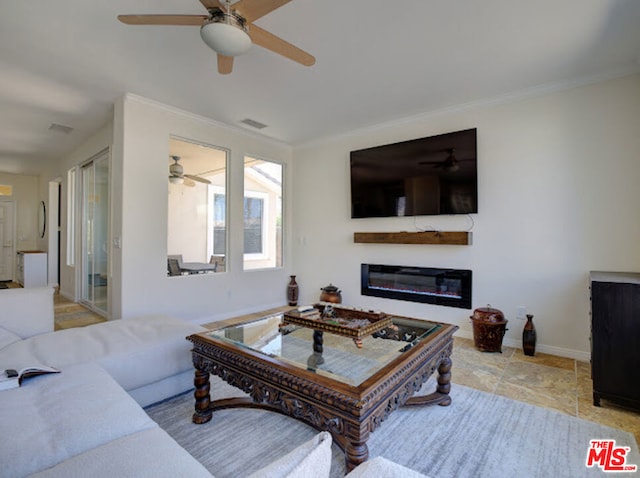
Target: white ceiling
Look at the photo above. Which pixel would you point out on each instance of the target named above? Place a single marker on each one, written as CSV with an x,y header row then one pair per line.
x,y
67,61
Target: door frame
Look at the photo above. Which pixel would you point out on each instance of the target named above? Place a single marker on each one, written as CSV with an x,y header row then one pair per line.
x,y
103,155
53,232
12,265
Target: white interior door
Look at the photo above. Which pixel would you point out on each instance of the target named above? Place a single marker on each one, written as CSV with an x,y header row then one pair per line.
x,y
7,249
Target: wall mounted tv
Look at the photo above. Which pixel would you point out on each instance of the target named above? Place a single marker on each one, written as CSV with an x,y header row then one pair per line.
x,y
420,177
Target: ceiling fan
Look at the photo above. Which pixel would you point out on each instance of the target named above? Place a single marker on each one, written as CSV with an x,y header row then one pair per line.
x,y
229,29
177,176
451,164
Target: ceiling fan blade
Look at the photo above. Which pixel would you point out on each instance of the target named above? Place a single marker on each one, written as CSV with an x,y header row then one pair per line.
x,y
278,45
186,20
208,4
225,64
197,178
251,10
189,183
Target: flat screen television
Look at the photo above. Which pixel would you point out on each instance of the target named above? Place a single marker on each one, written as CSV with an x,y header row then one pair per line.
x,y
420,177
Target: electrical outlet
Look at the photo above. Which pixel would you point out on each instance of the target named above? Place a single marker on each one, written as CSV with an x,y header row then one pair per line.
x,y
521,312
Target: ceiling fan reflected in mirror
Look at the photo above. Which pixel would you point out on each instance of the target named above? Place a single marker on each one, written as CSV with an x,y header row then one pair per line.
x,y
229,30
450,164
177,176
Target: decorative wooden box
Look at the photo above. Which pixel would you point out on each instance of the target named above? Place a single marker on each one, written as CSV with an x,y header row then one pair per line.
x,y
348,322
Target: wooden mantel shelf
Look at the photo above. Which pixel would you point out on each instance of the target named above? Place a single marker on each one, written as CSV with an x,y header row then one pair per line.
x,y
458,238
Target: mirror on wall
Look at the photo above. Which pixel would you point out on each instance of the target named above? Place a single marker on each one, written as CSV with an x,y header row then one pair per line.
x,y
42,219
197,232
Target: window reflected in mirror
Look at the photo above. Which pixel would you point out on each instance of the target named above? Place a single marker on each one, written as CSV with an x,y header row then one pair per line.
x,y
197,232
262,214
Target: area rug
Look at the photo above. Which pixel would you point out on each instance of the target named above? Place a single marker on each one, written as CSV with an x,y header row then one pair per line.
x,y
478,435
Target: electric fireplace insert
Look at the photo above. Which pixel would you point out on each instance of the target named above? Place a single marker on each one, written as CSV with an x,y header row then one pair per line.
x,y
447,287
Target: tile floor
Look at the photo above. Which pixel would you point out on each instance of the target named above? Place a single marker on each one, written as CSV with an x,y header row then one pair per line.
x,y
548,381
70,314
544,380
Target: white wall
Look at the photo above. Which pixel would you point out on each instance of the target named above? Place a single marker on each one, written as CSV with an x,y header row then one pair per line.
x,y
141,148
558,196
187,221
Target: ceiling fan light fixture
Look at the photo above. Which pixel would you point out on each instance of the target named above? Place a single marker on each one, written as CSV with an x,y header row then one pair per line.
x,y
226,34
452,168
176,180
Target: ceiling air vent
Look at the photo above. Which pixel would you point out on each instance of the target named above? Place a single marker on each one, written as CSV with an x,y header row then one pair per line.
x,y
253,123
60,128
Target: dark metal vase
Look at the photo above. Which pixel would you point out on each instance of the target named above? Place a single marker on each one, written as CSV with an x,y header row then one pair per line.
x,y
292,291
529,337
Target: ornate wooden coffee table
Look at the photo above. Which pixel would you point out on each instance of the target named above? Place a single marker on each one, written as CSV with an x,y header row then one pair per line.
x,y
338,387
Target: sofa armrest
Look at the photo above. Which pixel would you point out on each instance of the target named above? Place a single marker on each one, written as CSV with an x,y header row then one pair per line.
x,y
312,458
380,467
27,312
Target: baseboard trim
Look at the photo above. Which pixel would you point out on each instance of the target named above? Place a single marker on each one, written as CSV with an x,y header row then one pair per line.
x,y
545,349
66,295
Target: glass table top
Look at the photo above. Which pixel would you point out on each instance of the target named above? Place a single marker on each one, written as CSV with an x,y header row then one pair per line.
x,y
341,359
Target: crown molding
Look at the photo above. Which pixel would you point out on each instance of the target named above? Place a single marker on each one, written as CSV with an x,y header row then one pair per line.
x,y
512,97
202,119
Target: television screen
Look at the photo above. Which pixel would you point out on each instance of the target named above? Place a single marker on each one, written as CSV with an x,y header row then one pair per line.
x,y
420,177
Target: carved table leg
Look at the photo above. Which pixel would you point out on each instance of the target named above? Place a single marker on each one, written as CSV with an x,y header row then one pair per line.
x,y
441,395
318,340
202,396
355,453
444,381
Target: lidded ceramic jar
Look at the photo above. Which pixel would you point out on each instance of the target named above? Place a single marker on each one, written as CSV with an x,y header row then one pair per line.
x,y
489,327
488,314
331,293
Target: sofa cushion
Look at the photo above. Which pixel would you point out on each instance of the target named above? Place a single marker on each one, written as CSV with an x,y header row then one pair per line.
x,y
146,454
135,352
7,337
27,312
312,458
51,418
380,467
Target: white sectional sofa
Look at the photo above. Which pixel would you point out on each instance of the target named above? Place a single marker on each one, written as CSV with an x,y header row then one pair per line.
x,y
148,356
81,423
88,421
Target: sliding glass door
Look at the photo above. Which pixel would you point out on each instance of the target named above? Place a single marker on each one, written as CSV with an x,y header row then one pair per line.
x,y
95,233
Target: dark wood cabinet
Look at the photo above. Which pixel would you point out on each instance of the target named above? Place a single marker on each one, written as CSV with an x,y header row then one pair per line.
x,y
615,338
